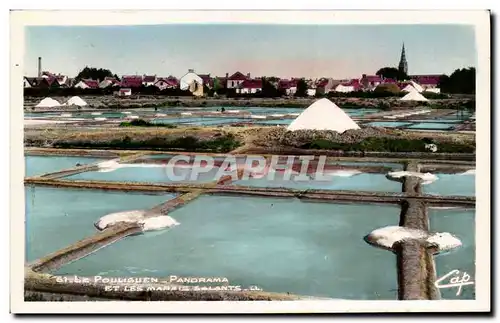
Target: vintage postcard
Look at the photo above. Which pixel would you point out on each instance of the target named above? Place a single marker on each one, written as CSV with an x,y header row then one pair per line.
x,y
265,161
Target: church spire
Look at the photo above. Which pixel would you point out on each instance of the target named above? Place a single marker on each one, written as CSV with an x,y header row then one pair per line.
x,y
403,64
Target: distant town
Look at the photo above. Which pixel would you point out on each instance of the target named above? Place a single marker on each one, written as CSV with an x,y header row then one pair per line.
x,y
238,82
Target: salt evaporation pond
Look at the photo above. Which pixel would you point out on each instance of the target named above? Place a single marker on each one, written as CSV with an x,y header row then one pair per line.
x,y
357,182
148,174
388,124
56,218
279,245
432,126
38,165
274,122
460,222
452,184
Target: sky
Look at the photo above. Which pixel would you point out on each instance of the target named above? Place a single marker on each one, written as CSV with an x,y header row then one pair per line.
x,y
312,51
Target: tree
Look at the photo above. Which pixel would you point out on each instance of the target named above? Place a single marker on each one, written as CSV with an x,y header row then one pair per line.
x,y
268,89
94,73
462,81
389,88
392,73
301,88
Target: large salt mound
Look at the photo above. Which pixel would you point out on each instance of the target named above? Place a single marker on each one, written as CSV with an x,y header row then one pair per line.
x,y
323,115
48,103
76,100
426,178
414,96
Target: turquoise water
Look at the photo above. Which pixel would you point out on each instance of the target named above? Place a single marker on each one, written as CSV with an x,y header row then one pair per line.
x,y
183,120
274,122
394,166
452,184
58,217
387,124
219,121
279,245
147,175
359,182
38,165
462,224
431,125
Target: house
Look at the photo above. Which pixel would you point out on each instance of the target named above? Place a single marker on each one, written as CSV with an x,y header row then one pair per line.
x,y
289,86
163,83
188,79
250,86
427,81
131,81
123,92
234,81
109,81
207,80
44,82
149,80
370,82
173,80
28,81
350,86
326,85
63,81
87,84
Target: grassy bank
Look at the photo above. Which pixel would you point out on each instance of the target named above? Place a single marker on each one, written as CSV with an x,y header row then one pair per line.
x,y
390,145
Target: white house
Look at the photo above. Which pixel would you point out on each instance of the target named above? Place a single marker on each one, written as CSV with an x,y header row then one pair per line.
x,y
188,79
235,80
149,80
250,86
343,88
124,92
163,83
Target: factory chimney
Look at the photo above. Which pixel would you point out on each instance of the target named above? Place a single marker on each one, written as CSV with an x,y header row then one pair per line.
x,y
39,67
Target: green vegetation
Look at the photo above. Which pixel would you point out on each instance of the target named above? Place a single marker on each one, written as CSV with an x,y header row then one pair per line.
x,y
301,88
390,89
95,74
462,81
144,123
392,73
390,145
220,143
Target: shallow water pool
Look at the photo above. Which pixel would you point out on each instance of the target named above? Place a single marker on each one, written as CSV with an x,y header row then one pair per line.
x,y
452,184
279,245
387,124
460,222
148,174
38,165
57,217
431,125
274,122
357,182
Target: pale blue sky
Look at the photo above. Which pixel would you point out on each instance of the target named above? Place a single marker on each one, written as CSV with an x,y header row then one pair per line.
x,y
338,51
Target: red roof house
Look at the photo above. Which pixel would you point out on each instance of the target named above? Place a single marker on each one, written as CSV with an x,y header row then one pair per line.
x,y
131,81
250,86
235,80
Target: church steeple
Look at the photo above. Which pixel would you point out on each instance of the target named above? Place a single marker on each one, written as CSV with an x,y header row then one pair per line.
x,y
403,64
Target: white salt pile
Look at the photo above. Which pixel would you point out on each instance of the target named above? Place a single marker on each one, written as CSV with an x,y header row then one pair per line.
x,y
337,172
100,119
96,113
186,114
386,237
233,111
414,96
258,117
323,115
160,115
426,178
112,165
126,112
409,88
48,103
65,115
157,222
133,117
277,115
76,100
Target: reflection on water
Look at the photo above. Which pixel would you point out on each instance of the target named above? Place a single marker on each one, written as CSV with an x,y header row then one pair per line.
x,y
280,245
